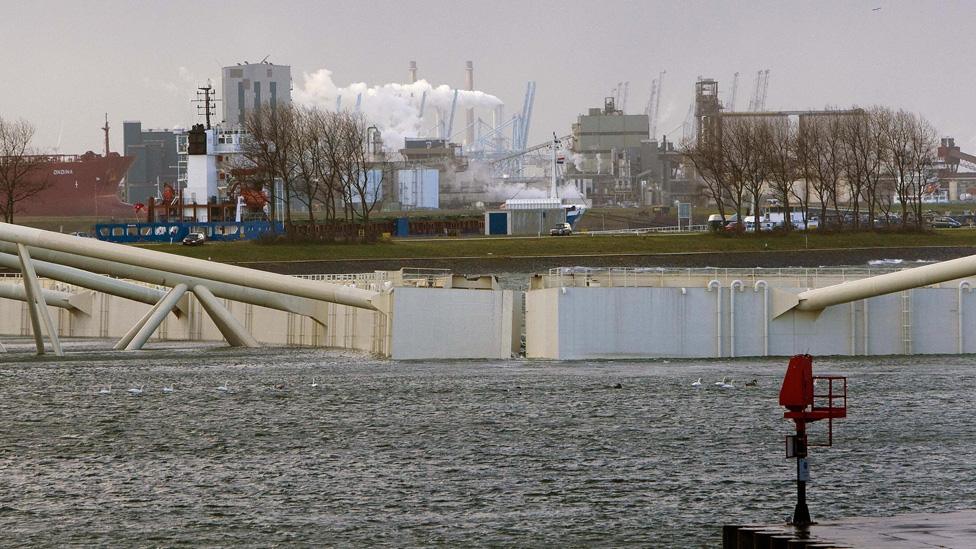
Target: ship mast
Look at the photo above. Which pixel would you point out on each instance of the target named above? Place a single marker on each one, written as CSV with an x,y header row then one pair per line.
x,y
552,181
105,129
205,96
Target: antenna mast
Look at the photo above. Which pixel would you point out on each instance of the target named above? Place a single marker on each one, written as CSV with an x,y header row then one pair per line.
x,y
205,96
105,129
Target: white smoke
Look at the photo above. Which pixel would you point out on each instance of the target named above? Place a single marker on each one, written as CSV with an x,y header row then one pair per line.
x,y
500,191
577,161
394,108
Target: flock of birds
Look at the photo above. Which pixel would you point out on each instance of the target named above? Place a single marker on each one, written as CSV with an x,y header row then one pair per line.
x,y
726,383
223,388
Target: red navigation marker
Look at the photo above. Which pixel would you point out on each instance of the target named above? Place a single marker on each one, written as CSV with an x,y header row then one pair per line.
x,y
804,404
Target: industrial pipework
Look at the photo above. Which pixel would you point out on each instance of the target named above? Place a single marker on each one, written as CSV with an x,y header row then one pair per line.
x,y
820,298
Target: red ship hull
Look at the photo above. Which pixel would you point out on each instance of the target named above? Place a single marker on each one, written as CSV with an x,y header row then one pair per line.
x,y
81,186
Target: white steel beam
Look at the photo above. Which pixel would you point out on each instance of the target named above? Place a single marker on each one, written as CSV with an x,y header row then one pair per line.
x,y
317,310
232,330
819,299
85,279
36,305
61,300
230,274
155,318
122,343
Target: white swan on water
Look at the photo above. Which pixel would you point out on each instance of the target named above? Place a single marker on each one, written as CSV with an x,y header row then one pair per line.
x,y
105,390
168,389
314,384
225,388
696,383
136,390
728,385
723,382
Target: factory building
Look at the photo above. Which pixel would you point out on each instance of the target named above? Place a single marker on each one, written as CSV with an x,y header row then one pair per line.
x,y
616,163
155,163
246,87
428,168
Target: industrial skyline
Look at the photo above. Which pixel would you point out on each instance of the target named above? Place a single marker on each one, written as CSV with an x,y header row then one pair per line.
x,y
144,61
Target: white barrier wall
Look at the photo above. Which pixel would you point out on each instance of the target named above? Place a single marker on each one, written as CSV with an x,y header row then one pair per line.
x,y
591,323
428,323
452,323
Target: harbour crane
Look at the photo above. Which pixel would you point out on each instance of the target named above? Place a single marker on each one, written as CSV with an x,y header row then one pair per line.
x,y
649,110
654,104
765,88
754,100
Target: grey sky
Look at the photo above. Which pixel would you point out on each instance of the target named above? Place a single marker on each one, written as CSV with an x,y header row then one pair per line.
x,y
69,62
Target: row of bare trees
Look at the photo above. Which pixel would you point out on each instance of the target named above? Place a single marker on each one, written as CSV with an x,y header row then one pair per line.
x,y
321,158
851,167
21,175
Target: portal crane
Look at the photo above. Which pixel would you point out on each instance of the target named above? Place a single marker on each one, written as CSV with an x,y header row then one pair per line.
x,y
735,91
765,88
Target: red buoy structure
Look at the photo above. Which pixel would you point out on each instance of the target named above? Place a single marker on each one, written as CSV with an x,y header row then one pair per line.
x,y
808,398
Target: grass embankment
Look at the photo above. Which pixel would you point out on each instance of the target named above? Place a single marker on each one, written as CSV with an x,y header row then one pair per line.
x,y
239,252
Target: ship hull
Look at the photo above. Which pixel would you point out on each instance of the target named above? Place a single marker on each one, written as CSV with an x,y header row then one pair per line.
x,y
80,186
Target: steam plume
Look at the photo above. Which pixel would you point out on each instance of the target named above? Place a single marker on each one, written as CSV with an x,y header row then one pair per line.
x,y
394,108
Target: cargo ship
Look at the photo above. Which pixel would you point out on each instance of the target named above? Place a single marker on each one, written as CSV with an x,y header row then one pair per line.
x,y
84,185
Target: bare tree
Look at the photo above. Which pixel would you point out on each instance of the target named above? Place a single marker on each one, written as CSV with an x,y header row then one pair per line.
x,y
709,164
312,174
898,139
863,158
876,193
363,185
923,154
20,167
271,147
736,151
780,153
745,139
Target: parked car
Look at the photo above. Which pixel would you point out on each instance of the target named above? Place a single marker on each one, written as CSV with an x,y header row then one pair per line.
x,y
563,229
194,239
734,227
945,223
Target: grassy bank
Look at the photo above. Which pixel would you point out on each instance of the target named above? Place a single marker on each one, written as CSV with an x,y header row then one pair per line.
x,y
237,252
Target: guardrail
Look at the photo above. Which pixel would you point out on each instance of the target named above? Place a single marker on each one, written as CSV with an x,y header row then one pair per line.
x,y
799,277
650,230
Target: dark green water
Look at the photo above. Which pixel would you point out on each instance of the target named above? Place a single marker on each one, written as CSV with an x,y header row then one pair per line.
x,y
452,453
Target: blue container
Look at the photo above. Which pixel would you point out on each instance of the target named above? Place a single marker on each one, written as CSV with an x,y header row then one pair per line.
x,y
402,226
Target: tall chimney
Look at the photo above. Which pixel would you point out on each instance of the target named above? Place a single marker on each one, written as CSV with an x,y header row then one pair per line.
x,y
469,118
413,71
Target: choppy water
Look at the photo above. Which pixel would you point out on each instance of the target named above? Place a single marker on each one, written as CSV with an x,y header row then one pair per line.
x,y
452,453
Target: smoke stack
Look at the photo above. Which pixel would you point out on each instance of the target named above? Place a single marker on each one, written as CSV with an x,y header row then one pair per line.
x,y
469,117
413,71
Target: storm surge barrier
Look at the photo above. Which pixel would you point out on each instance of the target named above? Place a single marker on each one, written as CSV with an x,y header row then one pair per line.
x,y
718,313
238,303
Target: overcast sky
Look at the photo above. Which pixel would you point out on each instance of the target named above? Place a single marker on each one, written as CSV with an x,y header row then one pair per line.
x,y
69,62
